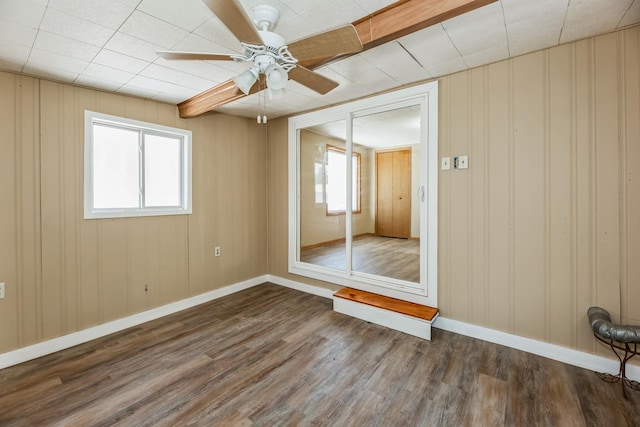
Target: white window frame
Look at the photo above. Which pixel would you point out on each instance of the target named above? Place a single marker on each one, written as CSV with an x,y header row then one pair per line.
x,y
92,118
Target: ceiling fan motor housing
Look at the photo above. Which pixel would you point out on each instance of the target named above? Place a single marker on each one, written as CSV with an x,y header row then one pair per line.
x,y
265,16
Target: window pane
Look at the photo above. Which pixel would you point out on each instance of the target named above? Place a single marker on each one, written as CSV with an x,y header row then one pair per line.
x,y
318,169
336,181
116,169
162,174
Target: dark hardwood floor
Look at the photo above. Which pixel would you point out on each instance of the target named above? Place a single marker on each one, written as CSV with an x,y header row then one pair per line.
x,y
274,356
384,256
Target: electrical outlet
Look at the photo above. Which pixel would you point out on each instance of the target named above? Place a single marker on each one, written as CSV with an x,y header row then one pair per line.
x,y
445,163
1,290
217,251
461,162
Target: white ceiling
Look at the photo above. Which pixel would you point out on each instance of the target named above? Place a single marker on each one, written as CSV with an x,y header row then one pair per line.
x,y
391,128
111,44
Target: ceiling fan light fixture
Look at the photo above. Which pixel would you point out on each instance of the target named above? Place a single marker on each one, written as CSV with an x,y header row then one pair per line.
x,y
246,80
276,76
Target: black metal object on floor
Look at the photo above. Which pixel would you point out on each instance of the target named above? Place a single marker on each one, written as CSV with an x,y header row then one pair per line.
x,y
623,340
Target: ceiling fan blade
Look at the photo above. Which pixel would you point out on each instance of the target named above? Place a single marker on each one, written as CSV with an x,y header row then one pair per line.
x,y
195,55
312,80
233,15
341,41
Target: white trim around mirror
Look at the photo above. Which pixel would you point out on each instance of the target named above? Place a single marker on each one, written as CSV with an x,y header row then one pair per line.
x,y
427,290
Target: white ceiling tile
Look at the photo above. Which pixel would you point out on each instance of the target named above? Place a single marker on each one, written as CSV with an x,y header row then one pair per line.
x,y
70,31
371,6
396,62
587,18
344,85
131,46
533,26
109,74
204,69
17,34
152,30
632,16
159,86
43,59
179,78
294,97
119,61
186,14
137,91
168,99
327,13
196,43
130,3
480,30
48,72
98,83
486,56
13,56
295,27
22,12
94,11
213,29
434,50
357,69
65,46
75,28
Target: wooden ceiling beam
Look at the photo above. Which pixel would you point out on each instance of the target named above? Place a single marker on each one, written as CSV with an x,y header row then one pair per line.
x,y
397,20
408,16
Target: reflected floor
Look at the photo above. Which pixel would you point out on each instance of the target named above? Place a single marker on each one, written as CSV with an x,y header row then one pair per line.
x,y
383,256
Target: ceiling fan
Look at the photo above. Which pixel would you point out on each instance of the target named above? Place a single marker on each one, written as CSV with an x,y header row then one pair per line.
x,y
273,61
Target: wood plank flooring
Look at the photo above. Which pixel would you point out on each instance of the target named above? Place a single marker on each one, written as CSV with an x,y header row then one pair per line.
x,y
384,256
274,356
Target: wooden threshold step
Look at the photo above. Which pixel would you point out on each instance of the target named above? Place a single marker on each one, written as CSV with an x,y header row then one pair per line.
x,y
404,316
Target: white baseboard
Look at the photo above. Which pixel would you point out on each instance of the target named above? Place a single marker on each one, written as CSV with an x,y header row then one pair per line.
x,y
66,341
310,289
540,348
562,354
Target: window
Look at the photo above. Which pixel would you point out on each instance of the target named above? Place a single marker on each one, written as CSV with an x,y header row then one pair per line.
x,y
134,168
336,190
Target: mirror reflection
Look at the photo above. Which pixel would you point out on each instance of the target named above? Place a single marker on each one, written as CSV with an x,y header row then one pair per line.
x,y
384,183
322,173
392,247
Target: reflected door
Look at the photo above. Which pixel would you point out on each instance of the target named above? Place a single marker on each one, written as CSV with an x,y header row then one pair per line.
x,y
393,194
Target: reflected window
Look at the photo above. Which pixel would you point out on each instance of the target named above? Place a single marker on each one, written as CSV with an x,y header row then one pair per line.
x,y
318,170
336,191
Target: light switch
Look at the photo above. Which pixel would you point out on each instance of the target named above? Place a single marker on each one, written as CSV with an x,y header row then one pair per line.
x,y
445,163
461,162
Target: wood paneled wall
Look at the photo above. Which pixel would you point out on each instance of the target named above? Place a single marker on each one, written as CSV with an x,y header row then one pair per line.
x,y
20,310
544,223
546,220
64,273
